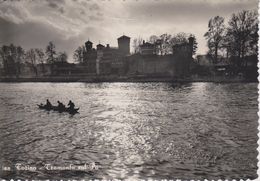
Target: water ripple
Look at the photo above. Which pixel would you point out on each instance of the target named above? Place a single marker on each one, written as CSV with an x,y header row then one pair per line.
x,y
132,130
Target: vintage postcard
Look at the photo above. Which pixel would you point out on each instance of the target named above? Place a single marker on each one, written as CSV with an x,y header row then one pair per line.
x,y
128,90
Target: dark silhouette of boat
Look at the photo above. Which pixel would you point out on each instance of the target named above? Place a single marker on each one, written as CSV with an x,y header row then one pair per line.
x,y
60,110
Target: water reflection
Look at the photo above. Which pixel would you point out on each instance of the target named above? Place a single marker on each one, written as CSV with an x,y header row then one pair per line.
x,y
133,130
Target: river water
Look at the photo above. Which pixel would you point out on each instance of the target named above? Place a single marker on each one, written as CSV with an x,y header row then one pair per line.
x,y
131,130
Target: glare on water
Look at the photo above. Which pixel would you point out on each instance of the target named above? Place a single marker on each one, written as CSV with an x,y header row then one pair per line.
x,y
131,130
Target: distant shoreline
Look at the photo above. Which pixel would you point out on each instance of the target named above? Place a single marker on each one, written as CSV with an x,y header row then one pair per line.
x,y
125,79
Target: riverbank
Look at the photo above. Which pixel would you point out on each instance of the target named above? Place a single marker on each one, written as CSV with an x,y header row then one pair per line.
x,y
124,79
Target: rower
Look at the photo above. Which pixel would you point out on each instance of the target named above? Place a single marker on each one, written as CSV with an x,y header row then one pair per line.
x,y
48,104
71,104
60,105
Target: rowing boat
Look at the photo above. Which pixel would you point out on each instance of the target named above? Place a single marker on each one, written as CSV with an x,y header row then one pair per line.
x,y
60,110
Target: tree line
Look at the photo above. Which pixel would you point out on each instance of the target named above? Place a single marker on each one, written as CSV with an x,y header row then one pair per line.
x,y
165,42
236,40
12,58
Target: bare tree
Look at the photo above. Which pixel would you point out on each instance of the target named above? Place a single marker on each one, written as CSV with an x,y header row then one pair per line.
x,y
215,35
40,57
166,47
50,52
7,60
179,38
136,44
12,58
195,44
20,58
153,39
79,54
31,58
62,57
242,34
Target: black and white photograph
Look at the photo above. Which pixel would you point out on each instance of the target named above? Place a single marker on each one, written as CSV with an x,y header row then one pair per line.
x,y
129,90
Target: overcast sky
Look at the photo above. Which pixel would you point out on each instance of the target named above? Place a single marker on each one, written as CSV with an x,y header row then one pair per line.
x,y
69,23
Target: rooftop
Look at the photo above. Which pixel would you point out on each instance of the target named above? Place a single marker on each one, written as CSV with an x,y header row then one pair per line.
x,y
147,44
100,45
123,37
89,42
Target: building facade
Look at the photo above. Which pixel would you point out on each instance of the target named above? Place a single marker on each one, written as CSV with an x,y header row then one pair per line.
x,y
106,60
110,60
89,58
124,45
147,48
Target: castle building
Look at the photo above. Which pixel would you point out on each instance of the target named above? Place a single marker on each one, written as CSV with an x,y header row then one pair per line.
x,y
183,55
109,59
89,58
176,64
106,60
124,45
184,49
88,46
100,47
99,57
147,48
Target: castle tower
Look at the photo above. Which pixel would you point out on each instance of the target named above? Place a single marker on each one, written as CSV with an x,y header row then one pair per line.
x,y
100,47
191,43
191,40
124,45
88,46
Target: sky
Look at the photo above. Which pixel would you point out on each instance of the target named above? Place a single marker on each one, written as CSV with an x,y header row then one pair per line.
x,y
70,23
